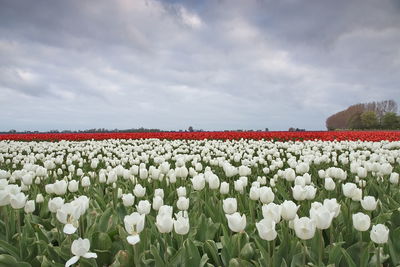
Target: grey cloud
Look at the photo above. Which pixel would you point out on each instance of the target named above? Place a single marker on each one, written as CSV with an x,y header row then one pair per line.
x,y
210,64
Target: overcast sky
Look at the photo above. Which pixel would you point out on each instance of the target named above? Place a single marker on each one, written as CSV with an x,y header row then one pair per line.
x,y
211,64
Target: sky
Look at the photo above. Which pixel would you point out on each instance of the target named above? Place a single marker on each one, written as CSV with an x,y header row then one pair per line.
x,y
211,64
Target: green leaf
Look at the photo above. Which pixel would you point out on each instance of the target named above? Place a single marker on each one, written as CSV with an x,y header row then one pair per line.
x,y
347,257
210,247
155,252
13,251
203,260
193,255
10,261
105,220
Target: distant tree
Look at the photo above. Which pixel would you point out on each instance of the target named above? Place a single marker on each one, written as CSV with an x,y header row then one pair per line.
x,y
190,129
369,119
355,121
292,129
266,129
12,131
390,121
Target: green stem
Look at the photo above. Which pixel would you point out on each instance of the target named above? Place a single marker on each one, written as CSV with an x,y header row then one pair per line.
x,y
378,256
5,209
19,233
361,242
321,248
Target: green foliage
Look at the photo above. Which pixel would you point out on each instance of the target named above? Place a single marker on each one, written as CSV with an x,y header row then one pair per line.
x,y
391,121
369,120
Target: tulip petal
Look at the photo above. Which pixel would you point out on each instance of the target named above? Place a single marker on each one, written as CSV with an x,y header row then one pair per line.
x,y
69,229
90,255
71,261
133,239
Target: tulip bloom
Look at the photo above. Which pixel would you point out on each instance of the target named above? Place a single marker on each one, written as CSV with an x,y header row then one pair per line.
x,y
134,224
80,248
236,222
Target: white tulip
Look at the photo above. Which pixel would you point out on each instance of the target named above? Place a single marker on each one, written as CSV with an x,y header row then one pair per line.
x,y
29,206
182,203
18,201
224,188
379,234
134,224
329,184
361,221
128,200
272,211
266,229
266,195
304,228
289,210
157,202
369,203
80,248
236,222
143,207
139,190
229,205
181,191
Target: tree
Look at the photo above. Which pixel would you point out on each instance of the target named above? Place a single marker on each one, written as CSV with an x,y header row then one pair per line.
x,y
190,129
390,121
369,119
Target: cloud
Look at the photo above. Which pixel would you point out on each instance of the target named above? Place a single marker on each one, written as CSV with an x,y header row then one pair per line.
x,y
211,64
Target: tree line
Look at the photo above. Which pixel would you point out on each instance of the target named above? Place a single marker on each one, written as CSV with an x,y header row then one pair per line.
x,y
372,115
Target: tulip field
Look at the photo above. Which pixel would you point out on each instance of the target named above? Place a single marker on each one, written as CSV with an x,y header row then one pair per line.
x,y
200,199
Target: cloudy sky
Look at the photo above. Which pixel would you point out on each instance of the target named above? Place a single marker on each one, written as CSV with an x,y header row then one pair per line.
x,y
214,65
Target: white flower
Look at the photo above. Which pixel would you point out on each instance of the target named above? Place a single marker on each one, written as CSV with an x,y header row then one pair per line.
x,y
198,182
254,193
349,189
17,201
164,223
85,182
157,202
213,182
39,198
143,207
266,229
266,195
159,192
128,200
239,186
361,221
29,206
139,190
80,248
379,234
332,206
329,184
289,210
394,178
369,203
60,187
55,203
236,222
134,224
181,224
310,192
299,192
322,217
229,205
272,211
181,191
182,203
304,228
73,186
224,188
